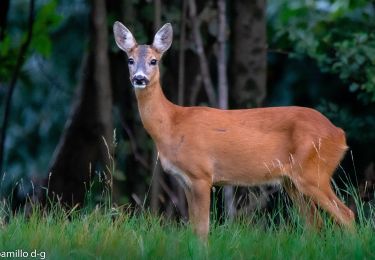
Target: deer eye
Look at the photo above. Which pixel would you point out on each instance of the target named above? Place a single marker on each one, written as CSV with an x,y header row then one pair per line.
x,y
153,62
130,61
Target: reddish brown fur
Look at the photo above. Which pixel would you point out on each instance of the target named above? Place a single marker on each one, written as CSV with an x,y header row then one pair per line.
x,y
205,146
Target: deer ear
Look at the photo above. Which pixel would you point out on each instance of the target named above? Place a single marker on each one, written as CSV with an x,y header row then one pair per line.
x,y
123,37
163,38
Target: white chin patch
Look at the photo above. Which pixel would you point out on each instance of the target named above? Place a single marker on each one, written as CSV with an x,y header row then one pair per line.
x,y
139,85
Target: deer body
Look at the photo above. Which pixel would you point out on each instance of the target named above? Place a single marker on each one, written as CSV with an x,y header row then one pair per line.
x,y
295,146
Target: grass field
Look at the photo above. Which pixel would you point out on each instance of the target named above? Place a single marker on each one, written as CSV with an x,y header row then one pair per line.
x,y
109,234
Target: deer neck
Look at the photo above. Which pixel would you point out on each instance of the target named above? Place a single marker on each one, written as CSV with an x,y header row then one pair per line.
x,y
156,111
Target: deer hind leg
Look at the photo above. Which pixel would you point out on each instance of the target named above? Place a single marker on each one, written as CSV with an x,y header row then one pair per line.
x,y
327,200
314,180
306,207
347,215
198,198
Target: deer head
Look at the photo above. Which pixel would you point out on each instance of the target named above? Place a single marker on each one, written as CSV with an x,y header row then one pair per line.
x,y
143,60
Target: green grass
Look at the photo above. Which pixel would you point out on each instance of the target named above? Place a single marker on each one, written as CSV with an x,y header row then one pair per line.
x,y
111,234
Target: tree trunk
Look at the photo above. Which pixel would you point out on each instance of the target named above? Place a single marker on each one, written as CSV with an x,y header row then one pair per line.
x,y
82,151
181,96
156,173
249,53
248,62
223,88
4,8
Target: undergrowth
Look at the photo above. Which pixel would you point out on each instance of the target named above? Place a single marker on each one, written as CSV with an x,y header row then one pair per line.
x,y
102,231
113,233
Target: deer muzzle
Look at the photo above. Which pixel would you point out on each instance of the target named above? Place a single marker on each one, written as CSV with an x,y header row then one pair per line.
x,y
140,81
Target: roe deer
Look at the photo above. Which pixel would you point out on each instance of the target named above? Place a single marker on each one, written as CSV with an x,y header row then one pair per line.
x,y
295,146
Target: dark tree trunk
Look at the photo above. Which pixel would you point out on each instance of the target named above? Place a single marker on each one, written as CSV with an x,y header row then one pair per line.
x,y
223,88
156,172
181,96
4,7
82,150
248,71
248,64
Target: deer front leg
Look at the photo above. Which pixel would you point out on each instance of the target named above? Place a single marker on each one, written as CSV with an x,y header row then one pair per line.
x,y
198,197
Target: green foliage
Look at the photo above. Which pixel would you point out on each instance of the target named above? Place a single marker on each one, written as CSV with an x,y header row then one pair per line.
x,y
356,127
42,97
338,34
46,22
7,58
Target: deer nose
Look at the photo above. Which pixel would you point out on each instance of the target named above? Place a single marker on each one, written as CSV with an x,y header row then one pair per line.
x,y
140,80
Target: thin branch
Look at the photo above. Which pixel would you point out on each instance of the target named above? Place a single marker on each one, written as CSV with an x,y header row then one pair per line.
x,y
195,88
202,56
52,80
13,82
181,56
133,146
254,200
280,51
157,14
155,186
222,59
174,199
